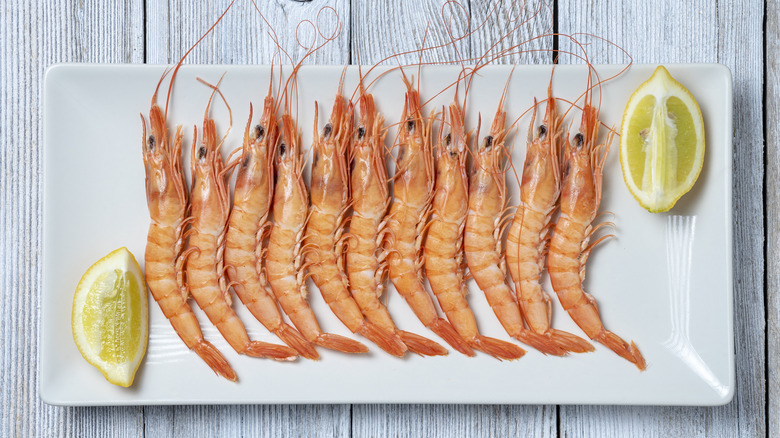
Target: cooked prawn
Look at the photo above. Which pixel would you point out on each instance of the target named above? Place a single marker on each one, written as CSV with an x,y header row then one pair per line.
x,y
413,193
209,207
329,204
248,224
570,248
443,248
529,233
366,265
482,236
285,259
166,197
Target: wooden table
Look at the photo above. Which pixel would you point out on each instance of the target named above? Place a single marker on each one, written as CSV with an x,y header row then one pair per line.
x,y
740,34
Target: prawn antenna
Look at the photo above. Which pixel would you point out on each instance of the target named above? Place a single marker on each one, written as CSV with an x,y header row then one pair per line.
x,y
178,65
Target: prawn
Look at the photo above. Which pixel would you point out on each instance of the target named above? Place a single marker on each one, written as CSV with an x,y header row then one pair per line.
x,y
482,236
329,204
166,197
444,242
529,233
285,258
413,193
570,248
209,208
366,265
249,223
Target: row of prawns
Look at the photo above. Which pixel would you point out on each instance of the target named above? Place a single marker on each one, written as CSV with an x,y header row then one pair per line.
x,y
348,234
440,214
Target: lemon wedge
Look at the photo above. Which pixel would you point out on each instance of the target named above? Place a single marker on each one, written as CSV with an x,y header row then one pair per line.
x,y
110,318
661,142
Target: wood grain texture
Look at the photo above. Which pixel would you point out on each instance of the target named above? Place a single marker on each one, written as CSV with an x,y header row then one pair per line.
x,y
772,117
248,421
381,29
35,35
409,421
699,31
243,37
508,32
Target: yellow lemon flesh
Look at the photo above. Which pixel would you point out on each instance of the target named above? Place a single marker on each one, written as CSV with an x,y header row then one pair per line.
x,y
110,318
661,142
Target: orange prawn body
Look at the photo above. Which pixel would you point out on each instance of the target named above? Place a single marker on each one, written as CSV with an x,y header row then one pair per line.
x,y
365,262
210,204
413,193
248,225
329,203
569,248
285,259
529,233
444,242
482,237
167,200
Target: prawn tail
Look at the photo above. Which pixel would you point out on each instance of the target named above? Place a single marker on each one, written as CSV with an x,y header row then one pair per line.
x,y
386,340
497,348
340,343
295,339
542,343
447,332
570,342
215,360
420,345
622,348
270,351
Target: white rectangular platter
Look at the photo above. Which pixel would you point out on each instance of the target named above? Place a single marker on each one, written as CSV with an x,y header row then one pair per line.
x,y
672,297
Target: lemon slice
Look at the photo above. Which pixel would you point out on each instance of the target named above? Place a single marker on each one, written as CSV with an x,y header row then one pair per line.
x,y
661,142
110,318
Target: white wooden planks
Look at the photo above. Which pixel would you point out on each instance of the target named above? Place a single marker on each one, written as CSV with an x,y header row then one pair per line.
x,y
772,117
477,421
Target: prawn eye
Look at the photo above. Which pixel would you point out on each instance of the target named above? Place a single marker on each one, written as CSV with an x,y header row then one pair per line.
x,y
488,142
202,153
578,139
542,131
282,149
151,142
259,132
448,139
327,130
361,133
410,125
